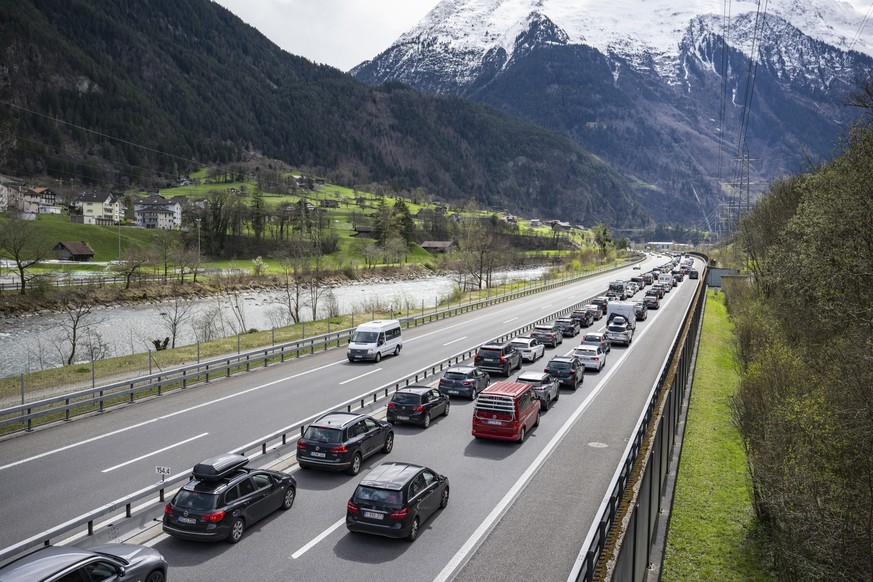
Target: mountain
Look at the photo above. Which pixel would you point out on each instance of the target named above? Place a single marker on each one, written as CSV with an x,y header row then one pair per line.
x,y
669,91
137,93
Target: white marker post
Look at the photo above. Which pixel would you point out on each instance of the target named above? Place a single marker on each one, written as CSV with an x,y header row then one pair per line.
x,y
163,472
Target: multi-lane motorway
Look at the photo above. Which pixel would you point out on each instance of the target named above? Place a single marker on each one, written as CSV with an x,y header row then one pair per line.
x,y
517,512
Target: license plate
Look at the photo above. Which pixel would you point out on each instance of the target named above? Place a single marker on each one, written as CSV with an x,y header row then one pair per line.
x,y
316,454
399,417
187,520
373,515
453,392
498,422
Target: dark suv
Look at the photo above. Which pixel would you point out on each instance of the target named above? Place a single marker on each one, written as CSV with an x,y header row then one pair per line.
x,y
569,327
567,370
501,358
342,440
418,405
223,498
395,499
585,317
548,334
466,381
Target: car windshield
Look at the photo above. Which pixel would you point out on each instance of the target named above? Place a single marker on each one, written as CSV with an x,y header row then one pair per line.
x,y
196,500
322,435
365,337
406,398
373,495
559,365
455,376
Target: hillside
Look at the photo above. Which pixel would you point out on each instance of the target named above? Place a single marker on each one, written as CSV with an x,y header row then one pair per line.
x,y
151,89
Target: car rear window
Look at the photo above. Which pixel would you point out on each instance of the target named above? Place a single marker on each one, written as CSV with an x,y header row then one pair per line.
x,y
559,365
406,398
544,328
455,376
592,338
584,353
489,353
531,381
617,328
321,434
384,497
521,344
196,500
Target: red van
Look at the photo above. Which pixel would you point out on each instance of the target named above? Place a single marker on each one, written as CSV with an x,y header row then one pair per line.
x,y
506,411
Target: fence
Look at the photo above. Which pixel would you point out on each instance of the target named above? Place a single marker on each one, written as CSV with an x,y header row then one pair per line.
x,y
98,398
619,544
262,445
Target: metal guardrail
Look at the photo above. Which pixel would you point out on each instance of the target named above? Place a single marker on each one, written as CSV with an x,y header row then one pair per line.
x,y
262,445
638,483
98,398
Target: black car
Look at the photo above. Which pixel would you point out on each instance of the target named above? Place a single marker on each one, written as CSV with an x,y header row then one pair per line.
x,y
466,381
641,311
693,274
651,301
585,317
417,405
600,302
395,499
501,358
116,562
569,326
340,441
567,370
224,497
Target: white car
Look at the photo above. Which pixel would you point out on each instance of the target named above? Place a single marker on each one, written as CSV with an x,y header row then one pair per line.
x,y
592,357
530,348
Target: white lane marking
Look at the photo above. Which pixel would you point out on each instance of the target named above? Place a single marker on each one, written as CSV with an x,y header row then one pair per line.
x,y
455,340
546,306
359,377
164,417
147,455
502,507
468,322
317,539
511,319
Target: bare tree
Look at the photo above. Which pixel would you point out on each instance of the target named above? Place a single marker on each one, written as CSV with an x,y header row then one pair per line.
x,y
176,313
25,245
75,308
132,261
294,264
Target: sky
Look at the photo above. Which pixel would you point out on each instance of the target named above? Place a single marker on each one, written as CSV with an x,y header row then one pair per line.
x,y
340,33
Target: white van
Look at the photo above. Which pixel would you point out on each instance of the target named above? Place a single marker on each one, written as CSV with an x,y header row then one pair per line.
x,y
371,341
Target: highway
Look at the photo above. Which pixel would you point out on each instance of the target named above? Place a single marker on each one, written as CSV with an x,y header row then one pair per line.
x,y
516,511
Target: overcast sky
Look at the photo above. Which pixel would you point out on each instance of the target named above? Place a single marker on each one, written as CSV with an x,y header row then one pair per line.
x,y
340,33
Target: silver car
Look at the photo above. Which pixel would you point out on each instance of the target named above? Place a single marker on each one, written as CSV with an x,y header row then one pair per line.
x,y
546,387
592,357
531,349
117,562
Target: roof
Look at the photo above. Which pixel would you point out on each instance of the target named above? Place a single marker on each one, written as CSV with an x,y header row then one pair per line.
x,y
391,475
531,375
336,419
44,562
437,244
505,389
461,369
77,248
95,197
414,389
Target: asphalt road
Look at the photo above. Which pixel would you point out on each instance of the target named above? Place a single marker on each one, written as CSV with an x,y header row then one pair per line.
x,y
546,490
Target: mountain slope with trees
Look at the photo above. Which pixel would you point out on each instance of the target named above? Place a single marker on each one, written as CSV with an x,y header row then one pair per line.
x,y
146,89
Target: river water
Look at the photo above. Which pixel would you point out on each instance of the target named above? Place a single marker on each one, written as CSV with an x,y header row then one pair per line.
x,y
37,342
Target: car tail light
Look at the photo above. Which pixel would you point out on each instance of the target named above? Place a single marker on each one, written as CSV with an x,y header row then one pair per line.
x,y
168,510
391,405
352,507
301,444
214,517
399,514
339,449
418,408
468,382
502,360
596,359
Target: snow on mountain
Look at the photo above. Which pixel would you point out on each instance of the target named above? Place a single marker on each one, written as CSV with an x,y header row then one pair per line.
x,y
462,32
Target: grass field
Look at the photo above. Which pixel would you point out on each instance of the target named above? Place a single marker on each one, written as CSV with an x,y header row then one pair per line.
x,y
713,533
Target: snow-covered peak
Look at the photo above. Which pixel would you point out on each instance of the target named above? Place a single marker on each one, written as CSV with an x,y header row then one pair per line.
x,y
629,28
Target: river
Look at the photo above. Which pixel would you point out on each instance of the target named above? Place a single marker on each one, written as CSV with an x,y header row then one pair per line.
x,y
37,342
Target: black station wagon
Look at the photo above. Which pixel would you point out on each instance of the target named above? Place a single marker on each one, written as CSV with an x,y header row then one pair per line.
x,y
340,441
417,405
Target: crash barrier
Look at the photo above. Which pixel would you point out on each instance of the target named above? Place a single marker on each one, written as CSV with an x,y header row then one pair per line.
x,y
618,546
96,399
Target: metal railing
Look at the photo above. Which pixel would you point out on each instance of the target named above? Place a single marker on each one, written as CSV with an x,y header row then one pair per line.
x,y
620,549
274,441
98,398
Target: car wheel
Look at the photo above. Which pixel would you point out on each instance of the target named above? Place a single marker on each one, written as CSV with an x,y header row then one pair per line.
x,y
413,531
237,528
522,434
426,421
557,395
446,411
389,443
537,420
288,500
507,370
445,498
546,404
378,357
473,394
397,351
355,467
156,576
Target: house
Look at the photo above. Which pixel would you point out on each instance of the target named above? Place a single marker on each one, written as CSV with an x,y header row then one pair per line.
x,y
440,209
10,190
365,231
438,246
73,251
101,208
534,222
329,203
157,212
561,226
